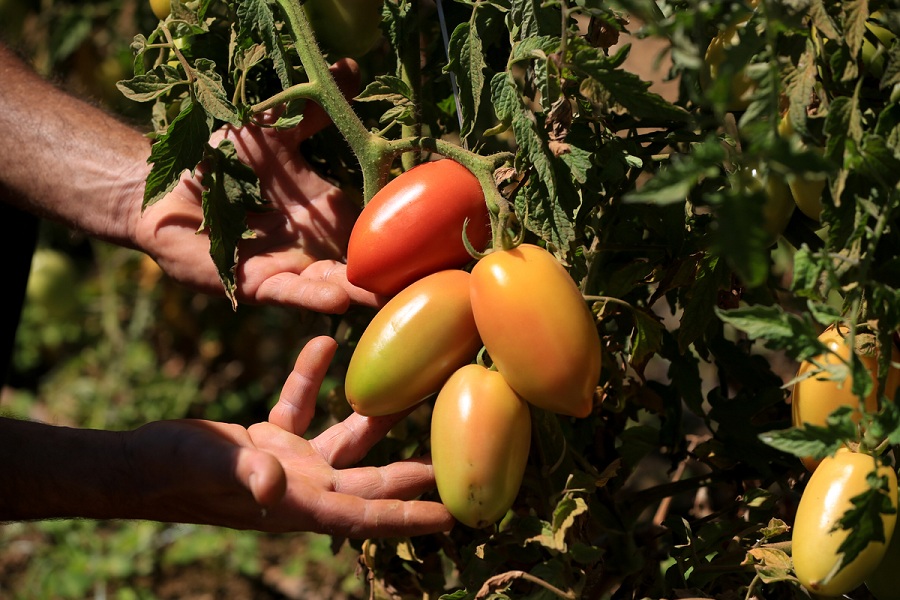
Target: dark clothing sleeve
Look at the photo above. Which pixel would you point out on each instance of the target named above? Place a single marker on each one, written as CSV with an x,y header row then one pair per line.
x,y
17,244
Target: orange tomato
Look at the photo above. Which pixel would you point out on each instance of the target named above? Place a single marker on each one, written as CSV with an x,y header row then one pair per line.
x,y
480,439
537,328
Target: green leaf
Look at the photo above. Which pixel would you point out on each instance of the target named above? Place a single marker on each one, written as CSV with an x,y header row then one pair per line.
x,y
863,522
256,19
232,189
467,62
624,88
813,441
181,147
210,93
781,330
151,85
674,182
647,336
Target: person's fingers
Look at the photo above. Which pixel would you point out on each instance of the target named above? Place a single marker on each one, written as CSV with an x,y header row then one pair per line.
x,y
336,272
347,442
297,403
305,291
354,517
403,480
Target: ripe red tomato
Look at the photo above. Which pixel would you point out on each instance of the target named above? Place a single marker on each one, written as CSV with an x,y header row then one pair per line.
x,y
414,225
814,546
480,439
414,343
346,28
812,399
537,328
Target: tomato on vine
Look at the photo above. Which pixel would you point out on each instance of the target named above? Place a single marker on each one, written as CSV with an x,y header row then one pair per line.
x,y
815,397
161,8
480,440
537,328
413,227
413,345
815,542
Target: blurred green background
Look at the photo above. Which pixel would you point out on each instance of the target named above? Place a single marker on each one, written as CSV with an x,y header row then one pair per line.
x,y
107,341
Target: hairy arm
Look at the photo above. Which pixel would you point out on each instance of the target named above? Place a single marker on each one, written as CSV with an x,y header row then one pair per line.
x,y
67,160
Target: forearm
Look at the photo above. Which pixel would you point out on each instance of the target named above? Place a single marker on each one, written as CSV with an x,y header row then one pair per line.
x,y
56,472
66,160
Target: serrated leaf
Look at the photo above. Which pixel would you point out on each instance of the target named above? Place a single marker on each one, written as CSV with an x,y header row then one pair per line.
x,y
863,522
386,88
210,93
255,18
151,85
780,330
624,88
232,189
181,147
467,62
811,441
647,336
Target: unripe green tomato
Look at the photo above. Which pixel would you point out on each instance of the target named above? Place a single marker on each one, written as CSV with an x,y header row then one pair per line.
x,y
814,399
883,583
806,191
480,439
814,546
537,328
161,8
346,28
414,343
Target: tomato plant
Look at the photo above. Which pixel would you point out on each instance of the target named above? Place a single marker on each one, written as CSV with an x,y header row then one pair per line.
x,y
346,28
598,132
412,345
480,439
537,328
817,396
414,226
816,541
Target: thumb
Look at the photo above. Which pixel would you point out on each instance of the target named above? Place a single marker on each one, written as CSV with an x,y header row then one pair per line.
x,y
261,474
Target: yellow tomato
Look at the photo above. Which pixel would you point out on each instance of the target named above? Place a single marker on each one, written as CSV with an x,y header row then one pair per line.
x,y
161,8
813,399
741,84
814,546
806,191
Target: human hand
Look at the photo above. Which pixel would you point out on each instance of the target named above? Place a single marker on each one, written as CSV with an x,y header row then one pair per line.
x,y
296,257
269,478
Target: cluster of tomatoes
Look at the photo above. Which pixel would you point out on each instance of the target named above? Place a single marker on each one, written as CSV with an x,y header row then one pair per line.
x,y
836,480
517,303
